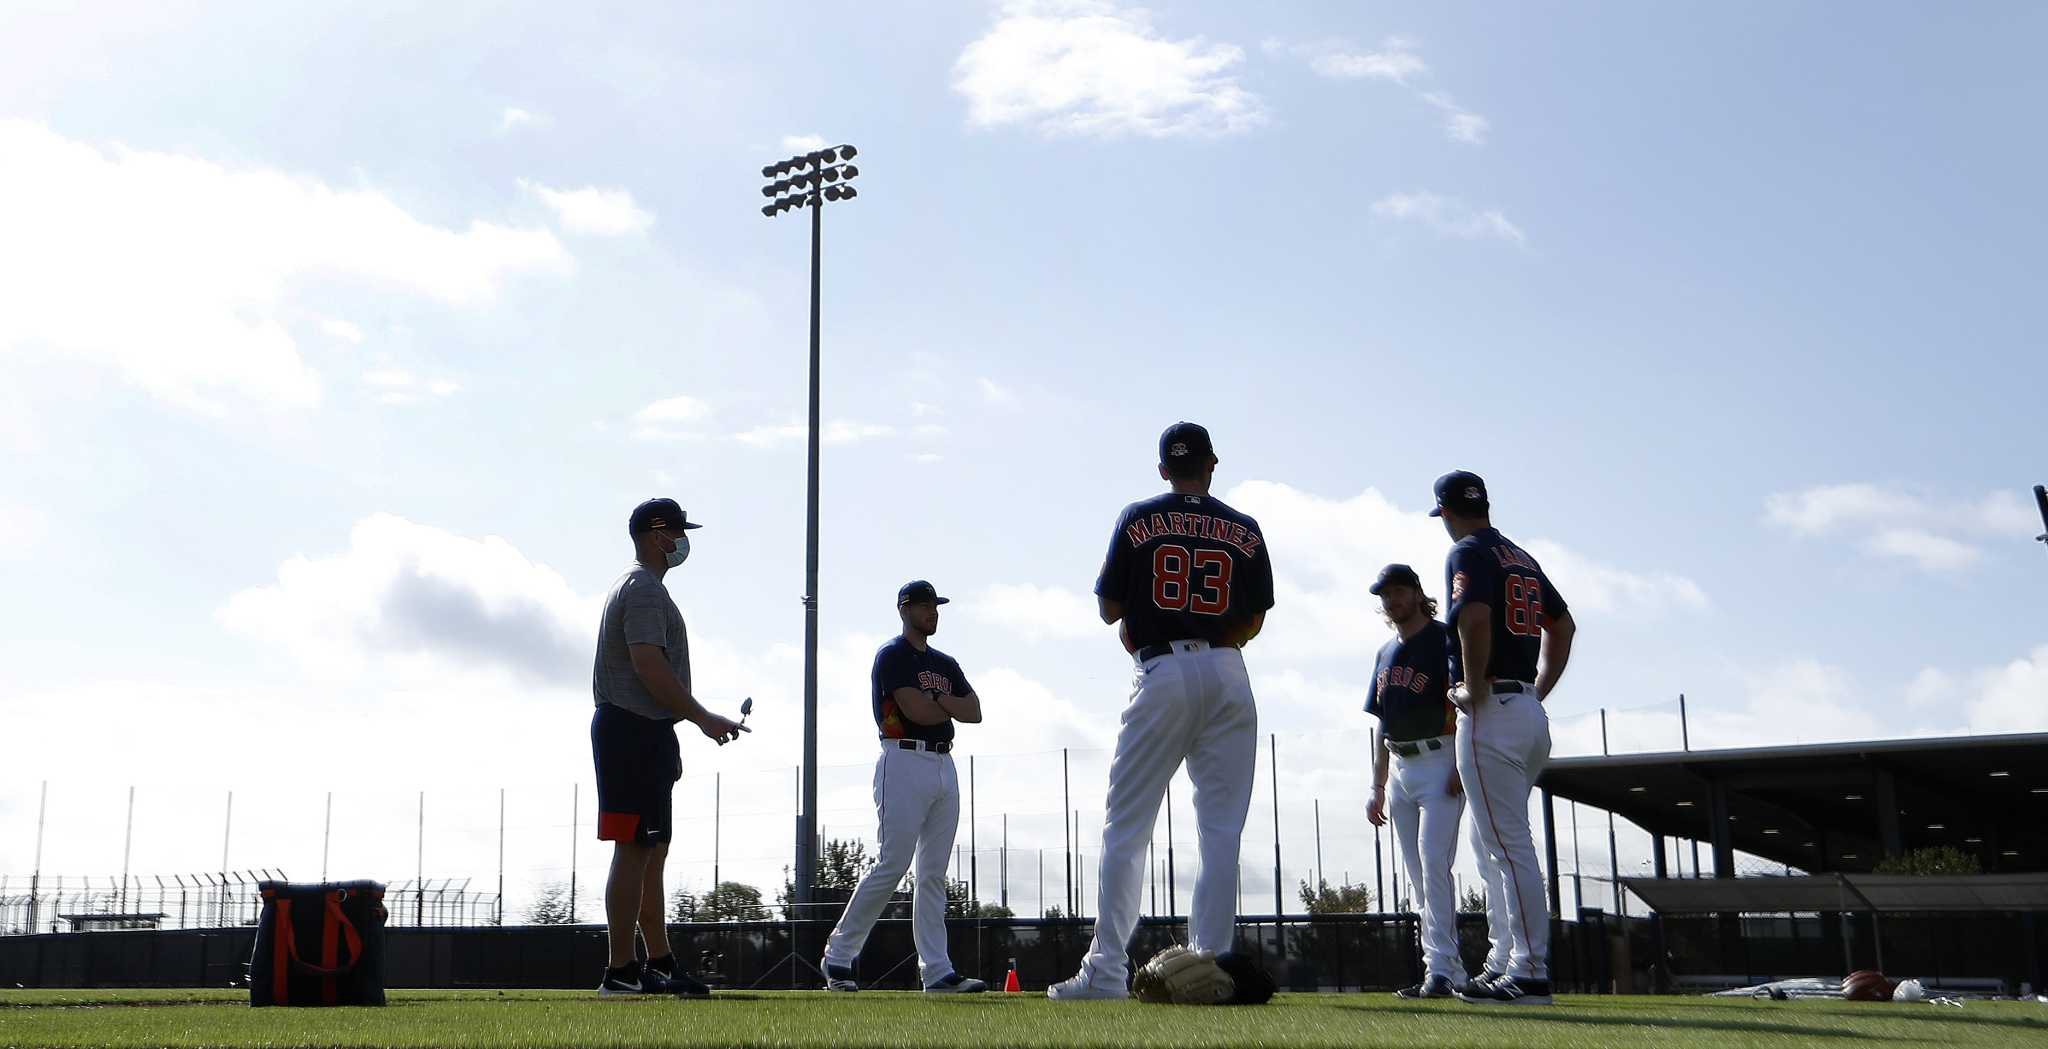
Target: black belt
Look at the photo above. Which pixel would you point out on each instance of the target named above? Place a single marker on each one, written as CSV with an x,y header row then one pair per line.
x,y
1409,748
1512,686
937,747
1150,652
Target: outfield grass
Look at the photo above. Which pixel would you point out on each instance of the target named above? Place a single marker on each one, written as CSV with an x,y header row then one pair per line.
x,y
886,1020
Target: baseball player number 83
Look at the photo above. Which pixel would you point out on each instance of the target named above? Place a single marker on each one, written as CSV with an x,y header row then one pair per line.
x,y
1174,587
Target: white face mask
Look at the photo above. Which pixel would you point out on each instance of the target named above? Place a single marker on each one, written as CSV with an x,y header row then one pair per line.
x,y
681,553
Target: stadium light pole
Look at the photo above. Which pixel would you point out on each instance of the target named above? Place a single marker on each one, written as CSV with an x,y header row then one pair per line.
x,y
2041,502
810,181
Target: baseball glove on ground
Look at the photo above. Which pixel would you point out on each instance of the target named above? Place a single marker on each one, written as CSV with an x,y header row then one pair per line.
x,y
1178,976
1253,985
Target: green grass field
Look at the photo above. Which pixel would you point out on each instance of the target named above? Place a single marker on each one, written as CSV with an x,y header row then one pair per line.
x,y
892,1019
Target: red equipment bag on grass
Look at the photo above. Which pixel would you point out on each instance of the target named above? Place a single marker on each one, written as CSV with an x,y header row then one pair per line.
x,y
319,944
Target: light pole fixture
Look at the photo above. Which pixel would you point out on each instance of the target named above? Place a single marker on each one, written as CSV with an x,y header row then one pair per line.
x,y
811,180
2041,502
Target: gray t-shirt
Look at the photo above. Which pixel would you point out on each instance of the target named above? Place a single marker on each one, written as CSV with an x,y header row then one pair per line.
x,y
638,611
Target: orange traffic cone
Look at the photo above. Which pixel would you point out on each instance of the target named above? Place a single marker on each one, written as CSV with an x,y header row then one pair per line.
x,y
1010,982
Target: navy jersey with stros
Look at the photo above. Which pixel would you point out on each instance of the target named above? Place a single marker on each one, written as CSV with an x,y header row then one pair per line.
x,y
1485,567
1186,567
1408,687
899,664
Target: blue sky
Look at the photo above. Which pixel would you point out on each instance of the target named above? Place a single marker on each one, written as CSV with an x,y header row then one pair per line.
x,y
338,341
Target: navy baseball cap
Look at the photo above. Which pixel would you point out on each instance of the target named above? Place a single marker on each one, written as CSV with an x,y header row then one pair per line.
x,y
1184,442
1460,490
918,590
1396,575
657,513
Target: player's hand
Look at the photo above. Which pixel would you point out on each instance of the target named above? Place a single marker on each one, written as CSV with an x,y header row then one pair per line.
x,y
719,729
1456,788
1460,696
1376,809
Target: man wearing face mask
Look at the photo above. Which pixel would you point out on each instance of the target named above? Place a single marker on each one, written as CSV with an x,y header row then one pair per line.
x,y
642,686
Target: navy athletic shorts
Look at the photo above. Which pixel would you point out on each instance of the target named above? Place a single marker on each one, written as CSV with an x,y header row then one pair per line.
x,y
638,763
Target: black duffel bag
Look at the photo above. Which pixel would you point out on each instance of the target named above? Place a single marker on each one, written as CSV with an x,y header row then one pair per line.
x,y
319,944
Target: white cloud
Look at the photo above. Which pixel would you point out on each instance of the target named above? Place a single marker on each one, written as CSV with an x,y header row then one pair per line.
x,y
671,418
1817,511
397,386
1932,553
1327,551
21,528
803,143
994,393
1461,124
836,431
593,211
1089,67
1891,521
920,410
406,601
341,331
1038,613
1395,61
2012,697
1595,587
512,118
20,431
927,457
177,273
1448,216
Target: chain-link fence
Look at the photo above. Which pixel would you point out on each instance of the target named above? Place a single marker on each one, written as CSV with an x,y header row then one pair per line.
x,y
208,901
1029,840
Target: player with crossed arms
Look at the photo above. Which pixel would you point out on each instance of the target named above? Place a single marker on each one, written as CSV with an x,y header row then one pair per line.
x,y
1190,580
1513,637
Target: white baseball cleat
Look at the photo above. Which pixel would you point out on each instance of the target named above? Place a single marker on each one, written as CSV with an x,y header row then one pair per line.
x,y
1079,988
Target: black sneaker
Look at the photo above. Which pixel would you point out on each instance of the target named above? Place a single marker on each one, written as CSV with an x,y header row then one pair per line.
x,y
954,983
1430,987
1478,984
684,985
1509,991
626,979
840,978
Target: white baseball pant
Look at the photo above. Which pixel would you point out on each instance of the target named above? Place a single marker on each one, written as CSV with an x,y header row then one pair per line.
x,y
1193,704
1503,744
917,804
1425,816
1492,875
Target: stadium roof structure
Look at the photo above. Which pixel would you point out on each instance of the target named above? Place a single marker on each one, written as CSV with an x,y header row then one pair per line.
x,y
1830,807
1860,893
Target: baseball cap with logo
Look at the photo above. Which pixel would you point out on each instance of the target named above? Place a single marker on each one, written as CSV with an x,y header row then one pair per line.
x,y
918,590
657,513
1396,575
1460,490
1184,442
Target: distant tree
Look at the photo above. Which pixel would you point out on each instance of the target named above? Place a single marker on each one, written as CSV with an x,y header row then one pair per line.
x,y
1054,911
1474,900
959,905
731,901
684,906
842,863
1940,859
551,907
1343,899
